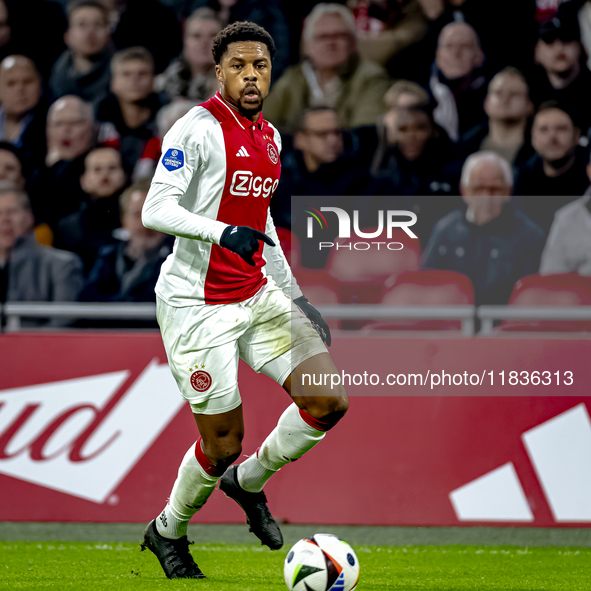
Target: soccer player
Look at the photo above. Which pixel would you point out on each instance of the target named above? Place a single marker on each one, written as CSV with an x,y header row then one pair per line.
x,y
221,298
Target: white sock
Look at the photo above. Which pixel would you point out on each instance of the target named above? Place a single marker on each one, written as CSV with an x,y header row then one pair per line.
x,y
191,490
290,440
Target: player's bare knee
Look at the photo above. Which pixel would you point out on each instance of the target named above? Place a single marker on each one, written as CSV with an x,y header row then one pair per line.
x,y
331,407
223,450
335,400
336,406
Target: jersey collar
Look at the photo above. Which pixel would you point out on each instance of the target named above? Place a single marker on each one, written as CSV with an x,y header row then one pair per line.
x,y
244,122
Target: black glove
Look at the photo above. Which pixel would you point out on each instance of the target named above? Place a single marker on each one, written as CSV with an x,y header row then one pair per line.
x,y
244,241
315,318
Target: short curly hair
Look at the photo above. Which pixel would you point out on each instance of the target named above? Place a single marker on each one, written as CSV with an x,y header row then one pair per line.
x,y
240,31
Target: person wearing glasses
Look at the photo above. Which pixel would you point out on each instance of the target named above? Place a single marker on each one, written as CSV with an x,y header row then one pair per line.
x,y
331,74
319,165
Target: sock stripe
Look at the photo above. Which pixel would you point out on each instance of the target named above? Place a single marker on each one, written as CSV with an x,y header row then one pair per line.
x,y
317,423
205,463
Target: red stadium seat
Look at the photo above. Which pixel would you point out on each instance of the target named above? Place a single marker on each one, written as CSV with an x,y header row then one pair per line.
x,y
567,289
362,274
426,288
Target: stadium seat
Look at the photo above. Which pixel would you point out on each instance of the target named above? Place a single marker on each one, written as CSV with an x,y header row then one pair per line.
x,y
362,274
426,288
567,289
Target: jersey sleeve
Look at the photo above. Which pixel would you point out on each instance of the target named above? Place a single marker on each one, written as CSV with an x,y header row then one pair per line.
x,y
277,265
185,148
163,213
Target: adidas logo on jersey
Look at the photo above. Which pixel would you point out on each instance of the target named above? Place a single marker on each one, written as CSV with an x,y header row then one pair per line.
x,y
242,152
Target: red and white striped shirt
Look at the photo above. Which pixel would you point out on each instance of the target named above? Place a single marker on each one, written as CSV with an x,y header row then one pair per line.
x,y
217,169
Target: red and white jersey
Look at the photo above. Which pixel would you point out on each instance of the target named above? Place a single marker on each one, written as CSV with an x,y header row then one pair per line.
x,y
217,169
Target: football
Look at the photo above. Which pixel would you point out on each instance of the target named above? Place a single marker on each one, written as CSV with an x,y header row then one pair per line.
x,y
320,563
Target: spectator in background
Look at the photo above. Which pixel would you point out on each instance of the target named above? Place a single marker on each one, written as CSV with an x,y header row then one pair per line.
x,y
269,14
56,192
192,74
13,173
70,129
83,69
127,270
563,74
385,28
508,108
413,166
412,155
498,24
318,165
403,93
568,248
132,107
457,81
28,271
332,74
22,110
11,166
165,119
91,227
556,174
146,23
490,241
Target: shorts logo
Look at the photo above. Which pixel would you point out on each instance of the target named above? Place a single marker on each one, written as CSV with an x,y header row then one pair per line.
x,y
272,153
173,160
200,380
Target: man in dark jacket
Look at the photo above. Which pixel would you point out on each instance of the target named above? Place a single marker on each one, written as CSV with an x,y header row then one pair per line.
x,y
128,114
56,191
318,166
508,108
457,80
556,174
91,227
83,69
29,271
23,110
490,241
127,270
562,74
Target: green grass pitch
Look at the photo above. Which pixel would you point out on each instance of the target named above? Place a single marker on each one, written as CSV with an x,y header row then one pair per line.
x,y
121,566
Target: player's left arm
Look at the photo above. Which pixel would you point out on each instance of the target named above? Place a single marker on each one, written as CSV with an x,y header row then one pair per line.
x,y
278,267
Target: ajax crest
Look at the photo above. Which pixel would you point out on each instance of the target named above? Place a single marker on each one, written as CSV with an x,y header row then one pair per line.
x,y
272,153
200,380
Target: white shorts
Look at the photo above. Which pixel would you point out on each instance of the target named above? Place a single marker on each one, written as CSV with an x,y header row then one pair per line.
x,y
203,344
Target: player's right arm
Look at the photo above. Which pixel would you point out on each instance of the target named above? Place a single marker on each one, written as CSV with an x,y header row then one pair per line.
x,y
162,212
185,150
185,153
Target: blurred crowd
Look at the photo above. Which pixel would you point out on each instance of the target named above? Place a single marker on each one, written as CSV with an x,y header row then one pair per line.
x,y
473,114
